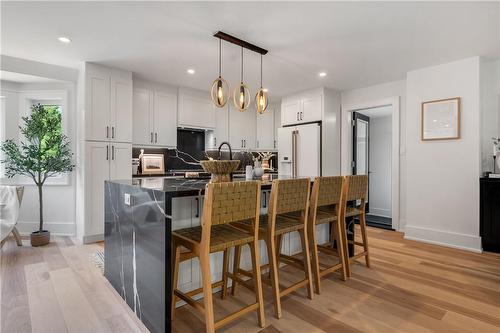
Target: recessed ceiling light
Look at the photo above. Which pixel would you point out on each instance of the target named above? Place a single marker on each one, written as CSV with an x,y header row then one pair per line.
x,y
64,40
322,74
266,90
191,71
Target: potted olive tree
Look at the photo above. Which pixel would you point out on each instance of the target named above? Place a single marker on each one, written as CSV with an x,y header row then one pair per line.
x,y
45,153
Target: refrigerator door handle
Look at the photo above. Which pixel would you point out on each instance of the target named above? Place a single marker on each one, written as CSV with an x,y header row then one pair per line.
x,y
294,153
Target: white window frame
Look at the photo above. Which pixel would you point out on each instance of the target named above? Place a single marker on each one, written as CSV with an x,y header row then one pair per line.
x,y
3,123
25,102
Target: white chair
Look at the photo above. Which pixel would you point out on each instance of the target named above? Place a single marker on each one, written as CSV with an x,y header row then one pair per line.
x,y
10,202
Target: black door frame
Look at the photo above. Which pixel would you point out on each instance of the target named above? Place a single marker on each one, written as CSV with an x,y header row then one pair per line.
x,y
354,164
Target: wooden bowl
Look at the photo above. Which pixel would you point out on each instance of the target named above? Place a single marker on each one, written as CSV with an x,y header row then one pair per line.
x,y
221,170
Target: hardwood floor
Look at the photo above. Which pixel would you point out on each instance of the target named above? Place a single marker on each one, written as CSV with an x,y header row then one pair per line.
x,y
411,287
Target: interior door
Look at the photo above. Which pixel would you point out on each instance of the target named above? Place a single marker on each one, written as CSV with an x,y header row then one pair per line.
x,y
361,146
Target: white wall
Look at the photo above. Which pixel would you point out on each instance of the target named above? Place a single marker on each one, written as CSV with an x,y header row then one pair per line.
x,y
443,176
370,96
490,110
59,200
380,165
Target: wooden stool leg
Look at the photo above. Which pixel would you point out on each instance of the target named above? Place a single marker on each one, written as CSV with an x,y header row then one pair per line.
x,y
207,291
362,224
343,236
313,245
175,278
306,257
225,267
236,266
254,250
17,236
271,251
340,248
279,239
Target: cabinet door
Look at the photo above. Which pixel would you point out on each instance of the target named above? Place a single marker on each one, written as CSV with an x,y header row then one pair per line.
x,y
311,109
221,125
121,110
265,130
165,119
97,171
196,112
142,129
277,124
242,128
120,161
97,105
290,112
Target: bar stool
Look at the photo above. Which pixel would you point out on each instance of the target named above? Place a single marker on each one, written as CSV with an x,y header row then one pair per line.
x,y
326,207
291,195
224,203
356,190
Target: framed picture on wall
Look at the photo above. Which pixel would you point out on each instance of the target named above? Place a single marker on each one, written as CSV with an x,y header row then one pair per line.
x,y
153,164
441,119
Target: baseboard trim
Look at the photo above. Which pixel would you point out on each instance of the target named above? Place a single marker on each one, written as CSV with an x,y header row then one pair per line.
x,y
380,212
93,238
56,228
444,238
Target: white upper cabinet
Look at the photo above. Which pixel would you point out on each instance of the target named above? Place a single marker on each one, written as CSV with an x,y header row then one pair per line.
x,y
265,130
108,100
277,124
155,116
302,108
242,128
165,119
221,126
196,109
143,121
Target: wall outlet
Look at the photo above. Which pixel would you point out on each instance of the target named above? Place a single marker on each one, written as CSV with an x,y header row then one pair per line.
x,y
127,199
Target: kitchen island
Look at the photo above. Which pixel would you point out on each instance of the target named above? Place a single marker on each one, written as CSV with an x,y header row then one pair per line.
x,y
140,215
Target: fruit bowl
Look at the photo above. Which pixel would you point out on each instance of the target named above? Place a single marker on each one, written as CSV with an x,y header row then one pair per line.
x,y
220,170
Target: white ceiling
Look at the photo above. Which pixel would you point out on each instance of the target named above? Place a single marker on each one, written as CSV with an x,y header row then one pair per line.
x,y
357,44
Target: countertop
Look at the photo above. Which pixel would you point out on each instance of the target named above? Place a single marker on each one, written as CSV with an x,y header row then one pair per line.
x,y
181,186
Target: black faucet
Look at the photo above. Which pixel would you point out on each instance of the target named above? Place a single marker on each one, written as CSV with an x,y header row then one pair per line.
x,y
230,151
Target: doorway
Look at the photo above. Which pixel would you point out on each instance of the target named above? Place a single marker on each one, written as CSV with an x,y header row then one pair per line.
x,y
372,156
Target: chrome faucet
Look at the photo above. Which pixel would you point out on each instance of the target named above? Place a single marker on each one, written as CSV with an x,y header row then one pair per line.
x,y
230,151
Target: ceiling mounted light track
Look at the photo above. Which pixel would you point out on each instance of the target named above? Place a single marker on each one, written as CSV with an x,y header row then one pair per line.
x,y
241,94
220,88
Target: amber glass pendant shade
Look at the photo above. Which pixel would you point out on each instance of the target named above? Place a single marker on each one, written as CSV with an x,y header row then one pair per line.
x,y
241,97
220,92
261,101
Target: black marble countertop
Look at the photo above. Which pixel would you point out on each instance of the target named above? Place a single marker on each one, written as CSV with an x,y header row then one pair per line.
x,y
181,186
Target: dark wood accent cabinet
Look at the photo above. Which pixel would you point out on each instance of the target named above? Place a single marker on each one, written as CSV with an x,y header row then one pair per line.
x,y
490,214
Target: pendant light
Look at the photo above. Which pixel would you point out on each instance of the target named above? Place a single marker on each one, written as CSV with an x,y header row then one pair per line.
x,y
220,88
241,94
261,100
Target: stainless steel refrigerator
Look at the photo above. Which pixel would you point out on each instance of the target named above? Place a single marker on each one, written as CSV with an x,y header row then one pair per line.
x,y
299,150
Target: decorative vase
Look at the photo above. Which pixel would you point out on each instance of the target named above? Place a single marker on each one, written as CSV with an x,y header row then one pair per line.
x,y
40,238
258,171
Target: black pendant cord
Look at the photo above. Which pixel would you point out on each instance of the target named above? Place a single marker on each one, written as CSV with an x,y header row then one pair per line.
x,y
261,71
242,65
220,57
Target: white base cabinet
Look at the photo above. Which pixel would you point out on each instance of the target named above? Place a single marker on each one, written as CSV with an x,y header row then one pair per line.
x,y
104,161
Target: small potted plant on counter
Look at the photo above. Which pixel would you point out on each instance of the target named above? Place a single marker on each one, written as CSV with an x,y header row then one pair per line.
x,y
45,153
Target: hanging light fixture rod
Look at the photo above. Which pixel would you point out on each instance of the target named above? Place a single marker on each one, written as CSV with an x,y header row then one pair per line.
x,y
240,42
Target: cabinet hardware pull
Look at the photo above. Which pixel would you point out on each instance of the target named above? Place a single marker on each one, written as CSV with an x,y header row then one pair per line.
x,y
197,207
112,132
241,143
113,153
151,137
107,153
245,143
297,116
301,115
107,132
215,141
156,137
274,144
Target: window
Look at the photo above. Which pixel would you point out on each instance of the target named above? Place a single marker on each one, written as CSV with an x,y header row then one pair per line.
x,y
3,121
